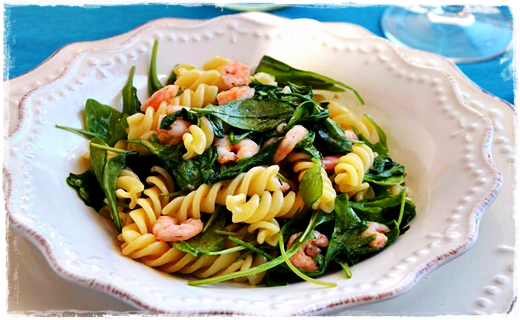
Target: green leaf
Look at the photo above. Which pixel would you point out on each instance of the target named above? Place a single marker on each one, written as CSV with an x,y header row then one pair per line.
x,y
104,121
249,114
167,153
332,137
172,78
380,146
131,103
385,172
380,132
236,139
205,243
183,113
191,174
311,185
154,84
285,74
307,112
88,188
110,173
344,265
263,157
86,134
347,228
98,159
307,144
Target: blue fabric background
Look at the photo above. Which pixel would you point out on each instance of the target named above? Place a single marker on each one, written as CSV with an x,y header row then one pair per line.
x,y
33,33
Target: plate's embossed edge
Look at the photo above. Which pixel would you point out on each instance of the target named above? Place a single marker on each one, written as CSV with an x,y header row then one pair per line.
x,y
484,204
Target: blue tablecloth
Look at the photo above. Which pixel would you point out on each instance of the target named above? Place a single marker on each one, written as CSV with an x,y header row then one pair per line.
x,y
33,33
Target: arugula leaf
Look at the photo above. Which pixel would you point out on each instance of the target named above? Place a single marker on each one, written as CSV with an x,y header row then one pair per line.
x,y
380,146
311,185
393,208
104,121
285,73
183,113
332,137
347,228
98,159
216,123
191,174
206,242
106,173
262,157
307,144
131,103
88,188
154,84
249,114
167,153
236,139
110,173
307,112
86,134
344,265
385,172
172,78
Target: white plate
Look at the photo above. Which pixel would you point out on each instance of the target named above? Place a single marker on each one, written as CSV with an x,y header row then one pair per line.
x,y
231,26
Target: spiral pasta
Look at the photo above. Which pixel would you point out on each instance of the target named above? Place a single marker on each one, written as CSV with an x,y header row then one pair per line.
x,y
267,231
265,78
206,197
262,207
352,167
129,186
199,139
328,195
215,63
199,98
142,125
191,79
347,119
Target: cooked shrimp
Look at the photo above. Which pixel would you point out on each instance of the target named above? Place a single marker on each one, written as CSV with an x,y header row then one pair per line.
x,y
235,74
167,229
166,93
379,230
173,135
268,142
291,139
329,162
236,93
280,127
245,148
172,109
351,135
303,258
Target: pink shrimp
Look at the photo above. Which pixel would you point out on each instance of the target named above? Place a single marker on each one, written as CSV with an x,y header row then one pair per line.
x,y
291,139
236,93
379,230
245,148
167,229
235,74
268,142
174,135
330,162
303,258
166,93
351,135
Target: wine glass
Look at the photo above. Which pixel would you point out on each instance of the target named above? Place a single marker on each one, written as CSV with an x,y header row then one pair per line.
x,y
462,33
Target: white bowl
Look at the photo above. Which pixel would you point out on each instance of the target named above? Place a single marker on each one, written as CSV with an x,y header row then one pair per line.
x,y
443,143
